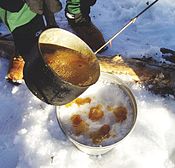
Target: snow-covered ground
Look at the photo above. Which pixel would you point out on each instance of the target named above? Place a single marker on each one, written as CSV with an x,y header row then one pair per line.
x,y
152,30
29,133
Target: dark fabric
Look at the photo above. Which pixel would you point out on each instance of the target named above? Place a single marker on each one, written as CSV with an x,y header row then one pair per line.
x,y
90,34
37,5
49,16
79,20
88,2
25,36
53,5
85,8
11,5
92,2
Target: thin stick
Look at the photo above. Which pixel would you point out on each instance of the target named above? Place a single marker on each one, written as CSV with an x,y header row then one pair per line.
x,y
128,24
132,21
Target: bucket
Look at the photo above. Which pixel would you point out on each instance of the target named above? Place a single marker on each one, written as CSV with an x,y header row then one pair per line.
x,y
106,97
60,67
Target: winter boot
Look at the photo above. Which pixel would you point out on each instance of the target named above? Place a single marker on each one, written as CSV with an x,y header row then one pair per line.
x,y
15,72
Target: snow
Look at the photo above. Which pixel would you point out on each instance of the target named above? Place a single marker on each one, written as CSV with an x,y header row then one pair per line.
x,y
29,133
104,94
152,30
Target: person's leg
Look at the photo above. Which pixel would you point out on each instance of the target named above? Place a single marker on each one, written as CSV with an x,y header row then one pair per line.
x,y
77,13
49,8
25,37
49,16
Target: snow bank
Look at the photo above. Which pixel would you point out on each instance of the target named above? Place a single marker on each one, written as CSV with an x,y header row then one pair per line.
x,y
30,136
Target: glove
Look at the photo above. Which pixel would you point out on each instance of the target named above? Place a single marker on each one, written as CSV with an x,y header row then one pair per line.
x,y
37,5
53,5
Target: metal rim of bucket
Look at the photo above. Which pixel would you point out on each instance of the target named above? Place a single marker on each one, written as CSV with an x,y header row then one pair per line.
x,y
105,148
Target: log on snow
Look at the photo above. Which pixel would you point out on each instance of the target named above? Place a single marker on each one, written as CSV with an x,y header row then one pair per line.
x,y
157,77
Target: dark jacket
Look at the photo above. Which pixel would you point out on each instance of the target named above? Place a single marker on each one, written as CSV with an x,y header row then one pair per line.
x,y
11,5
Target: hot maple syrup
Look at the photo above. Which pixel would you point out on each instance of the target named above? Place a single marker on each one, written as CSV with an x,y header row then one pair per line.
x,y
70,65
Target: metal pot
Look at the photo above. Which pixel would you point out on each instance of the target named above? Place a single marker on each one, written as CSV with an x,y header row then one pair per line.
x,y
42,79
109,78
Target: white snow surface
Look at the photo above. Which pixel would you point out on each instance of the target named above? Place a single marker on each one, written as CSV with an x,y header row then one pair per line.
x,y
29,133
105,94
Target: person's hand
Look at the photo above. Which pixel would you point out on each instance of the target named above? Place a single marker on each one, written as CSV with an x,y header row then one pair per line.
x,y
37,6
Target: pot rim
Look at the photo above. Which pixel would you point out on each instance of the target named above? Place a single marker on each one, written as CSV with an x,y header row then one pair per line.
x,y
59,30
